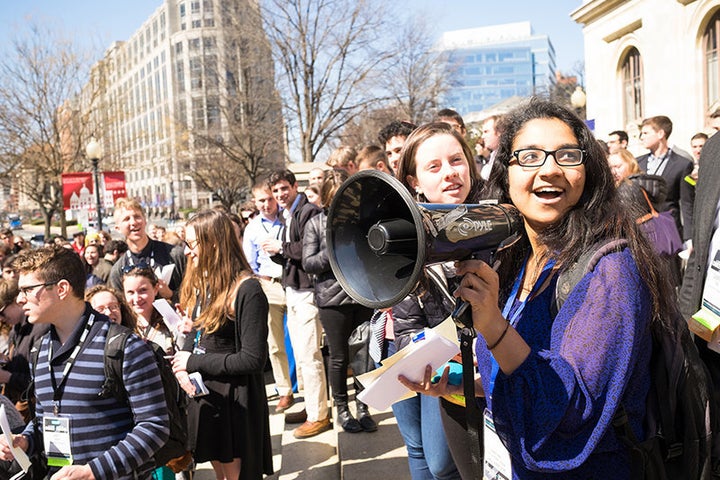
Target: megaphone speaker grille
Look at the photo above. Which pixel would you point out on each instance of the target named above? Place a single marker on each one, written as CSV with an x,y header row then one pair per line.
x,y
375,238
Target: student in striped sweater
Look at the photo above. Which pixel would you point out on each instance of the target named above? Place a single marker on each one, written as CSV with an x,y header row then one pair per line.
x,y
103,438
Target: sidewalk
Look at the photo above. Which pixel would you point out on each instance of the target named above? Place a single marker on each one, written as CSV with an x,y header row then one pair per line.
x,y
332,455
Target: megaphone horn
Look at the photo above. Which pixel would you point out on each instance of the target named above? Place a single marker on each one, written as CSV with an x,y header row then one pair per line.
x,y
379,239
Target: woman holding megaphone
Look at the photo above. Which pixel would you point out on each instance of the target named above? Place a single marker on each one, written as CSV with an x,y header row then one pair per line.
x,y
555,375
436,166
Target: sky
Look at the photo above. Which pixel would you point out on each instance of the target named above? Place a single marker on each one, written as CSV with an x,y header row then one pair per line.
x,y
102,22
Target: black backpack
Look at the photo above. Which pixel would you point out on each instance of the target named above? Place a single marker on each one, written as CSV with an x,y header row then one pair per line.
x,y
680,418
176,446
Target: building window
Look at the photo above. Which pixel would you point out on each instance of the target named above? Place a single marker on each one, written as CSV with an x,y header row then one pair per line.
x,y
195,73
180,75
196,23
195,7
198,112
209,43
632,78
182,10
213,112
211,70
711,41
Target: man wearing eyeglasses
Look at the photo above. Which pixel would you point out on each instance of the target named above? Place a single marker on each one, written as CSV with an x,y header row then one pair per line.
x,y
85,436
142,250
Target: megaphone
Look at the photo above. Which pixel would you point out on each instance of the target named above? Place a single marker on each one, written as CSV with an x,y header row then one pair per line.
x,y
379,239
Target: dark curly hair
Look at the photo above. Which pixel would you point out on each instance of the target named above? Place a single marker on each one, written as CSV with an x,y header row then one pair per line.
x,y
597,215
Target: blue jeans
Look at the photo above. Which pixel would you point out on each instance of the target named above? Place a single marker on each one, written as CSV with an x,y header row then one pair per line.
x,y
421,428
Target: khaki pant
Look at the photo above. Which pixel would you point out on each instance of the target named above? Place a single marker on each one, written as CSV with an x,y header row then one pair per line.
x,y
305,336
276,335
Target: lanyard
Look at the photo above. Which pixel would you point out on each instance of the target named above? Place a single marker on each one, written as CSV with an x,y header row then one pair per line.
x,y
275,223
663,159
513,310
58,390
196,343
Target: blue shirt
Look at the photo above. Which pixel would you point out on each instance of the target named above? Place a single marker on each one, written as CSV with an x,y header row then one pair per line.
x,y
555,411
258,230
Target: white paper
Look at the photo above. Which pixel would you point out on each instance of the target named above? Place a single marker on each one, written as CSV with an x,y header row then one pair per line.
x,y
164,273
170,316
18,453
383,388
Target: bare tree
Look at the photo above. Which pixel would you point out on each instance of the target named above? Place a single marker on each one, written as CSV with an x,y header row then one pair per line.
x,y
329,55
226,180
241,137
42,129
419,74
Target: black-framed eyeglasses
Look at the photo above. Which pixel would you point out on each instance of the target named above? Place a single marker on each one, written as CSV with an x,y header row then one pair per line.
x,y
189,244
137,266
25,291
536,157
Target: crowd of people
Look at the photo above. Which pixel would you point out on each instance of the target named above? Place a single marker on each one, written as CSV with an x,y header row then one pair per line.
x,y
236,283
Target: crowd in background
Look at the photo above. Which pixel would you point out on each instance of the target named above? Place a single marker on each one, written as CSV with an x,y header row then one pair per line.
x,y
236,282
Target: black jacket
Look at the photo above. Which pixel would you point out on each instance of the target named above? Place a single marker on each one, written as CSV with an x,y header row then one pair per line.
x,y
676,168
427,307
293,273
315,261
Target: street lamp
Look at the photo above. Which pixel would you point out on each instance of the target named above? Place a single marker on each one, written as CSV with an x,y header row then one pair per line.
x,y
578,98
94,151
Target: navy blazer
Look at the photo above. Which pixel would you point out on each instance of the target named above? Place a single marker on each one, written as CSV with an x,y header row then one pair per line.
x,y
676,168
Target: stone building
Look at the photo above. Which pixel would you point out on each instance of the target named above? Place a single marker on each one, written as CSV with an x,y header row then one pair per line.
x,y
651,57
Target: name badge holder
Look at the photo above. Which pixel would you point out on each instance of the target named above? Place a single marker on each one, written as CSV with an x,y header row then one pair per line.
x,y
496,460
56,439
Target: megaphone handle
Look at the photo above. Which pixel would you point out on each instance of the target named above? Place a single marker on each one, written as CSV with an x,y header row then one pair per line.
x,y
461,313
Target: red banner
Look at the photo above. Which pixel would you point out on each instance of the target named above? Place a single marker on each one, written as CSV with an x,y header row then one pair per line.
x,y
114,187
78,191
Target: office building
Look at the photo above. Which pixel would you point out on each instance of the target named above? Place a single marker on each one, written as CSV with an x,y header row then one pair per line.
x,y
181,97
494,63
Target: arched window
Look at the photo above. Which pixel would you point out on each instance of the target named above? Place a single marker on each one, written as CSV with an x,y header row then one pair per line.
x,y
632,78
712,69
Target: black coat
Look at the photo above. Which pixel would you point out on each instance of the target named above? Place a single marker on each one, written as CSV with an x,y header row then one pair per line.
x,y
315,261
427,307
707,197
676,168
293,273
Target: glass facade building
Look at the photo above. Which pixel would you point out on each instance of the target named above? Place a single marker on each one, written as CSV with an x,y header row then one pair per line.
x,y
491,64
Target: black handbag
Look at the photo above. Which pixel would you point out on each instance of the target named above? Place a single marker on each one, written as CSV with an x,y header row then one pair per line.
x,y
358,346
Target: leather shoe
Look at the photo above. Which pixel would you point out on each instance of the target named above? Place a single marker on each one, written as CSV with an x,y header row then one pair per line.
x,y
286,401
367,423
296,417
310,429
348,422
363,415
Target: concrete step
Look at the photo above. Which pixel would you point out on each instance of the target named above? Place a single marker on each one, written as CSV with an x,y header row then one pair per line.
x,y
334,454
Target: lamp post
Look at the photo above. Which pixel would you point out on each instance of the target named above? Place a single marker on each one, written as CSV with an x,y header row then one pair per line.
x,y
578,100
94,152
